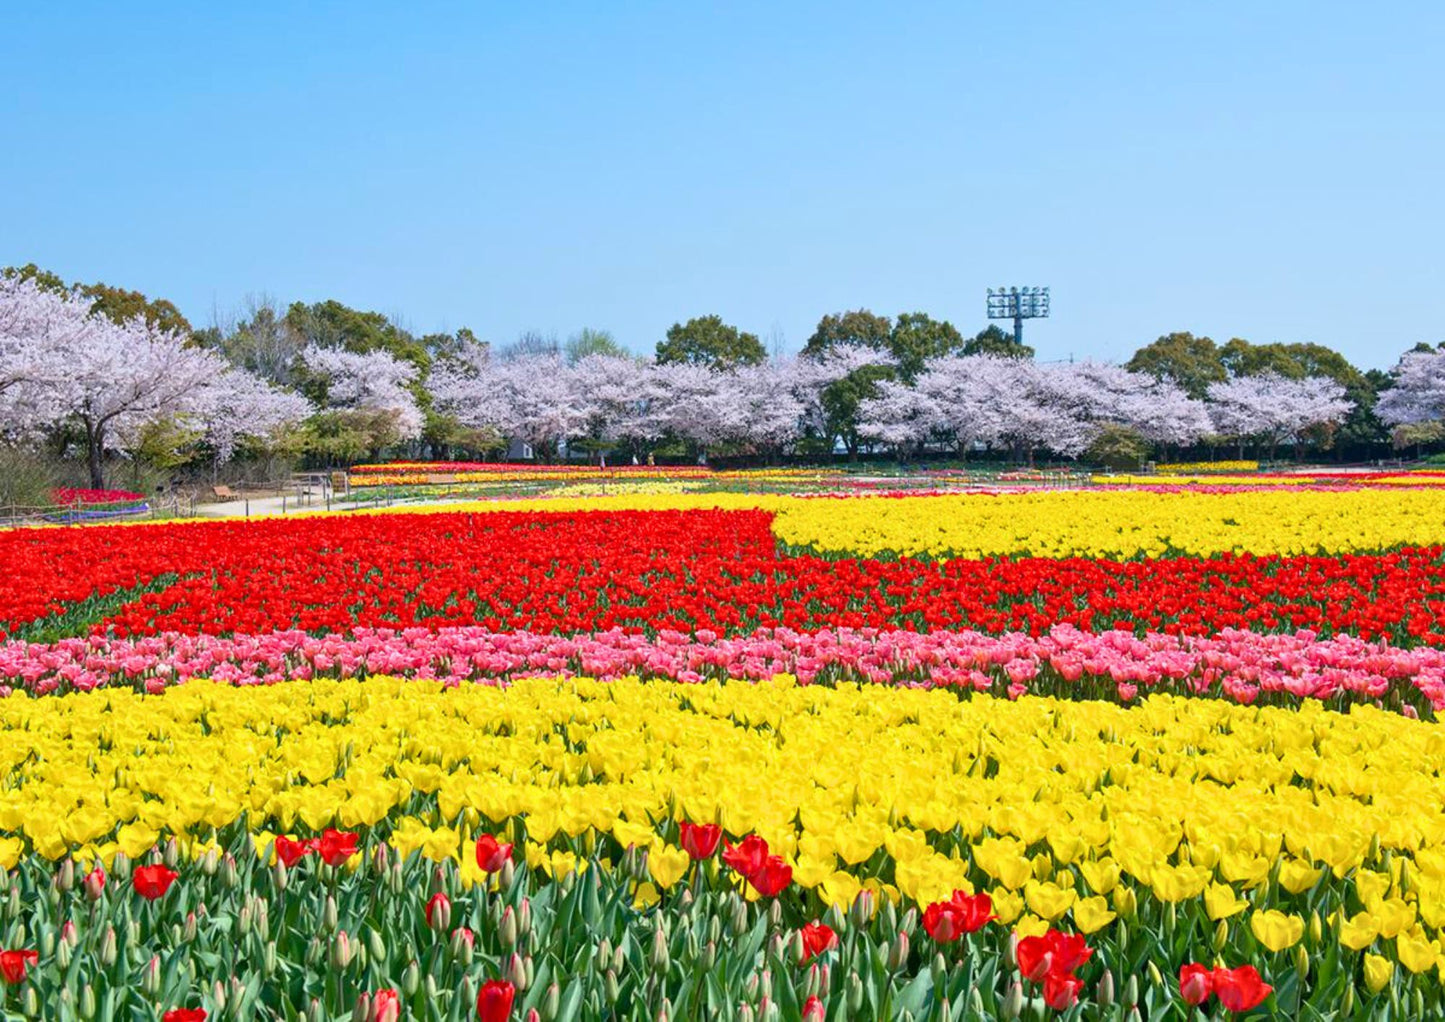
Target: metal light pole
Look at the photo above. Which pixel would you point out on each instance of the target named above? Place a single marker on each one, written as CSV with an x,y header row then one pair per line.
x,y
1018,304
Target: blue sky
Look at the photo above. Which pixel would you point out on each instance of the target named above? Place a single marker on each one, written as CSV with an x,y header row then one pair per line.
x,y
1264,170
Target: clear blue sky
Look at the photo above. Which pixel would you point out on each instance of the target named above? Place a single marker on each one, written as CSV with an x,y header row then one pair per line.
x,y
1266,170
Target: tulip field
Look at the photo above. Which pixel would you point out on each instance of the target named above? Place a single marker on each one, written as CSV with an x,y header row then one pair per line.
x,y
1127,753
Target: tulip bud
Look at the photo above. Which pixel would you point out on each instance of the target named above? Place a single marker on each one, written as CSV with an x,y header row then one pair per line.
x,y
342,950
1155,979
660,958
461,945
1013,1002
1131,990
120,866
1317,929
797,948
508,873
664,1013
94,884
150,980
243,920
330,916
30,1002
551,1002
739,920
709,956
1011,952
210,862
268,958
909,923
411,979
775,914
945,1011
1221,935
939,968
855,994
62,958
65,876
280,875
439,912
188,932
813,1009
87,1002
315,951
378,948
975,1003
517,972
619,960
218,995
395,879
109,948
860,913
898,953
1301,962
507,931
172,853
361,1011
229,874
610,987
524,917
745,1013
531,968
1104,993
69,934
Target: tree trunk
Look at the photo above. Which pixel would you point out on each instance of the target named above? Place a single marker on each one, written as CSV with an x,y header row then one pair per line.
x,y
94,455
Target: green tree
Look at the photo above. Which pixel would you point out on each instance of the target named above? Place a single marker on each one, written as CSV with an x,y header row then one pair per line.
x,y
917,337
708,341
860,327
1191,363
592,342
1118,447
993,341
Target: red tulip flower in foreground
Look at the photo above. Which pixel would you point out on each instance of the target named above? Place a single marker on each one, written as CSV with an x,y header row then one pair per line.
x,y
748,856
491,854
185,1015
1240,989
1061,990
13,964
1196,984
289,852
946,921
813,1010
336,846
817,938
772,877
494,1001
699,840
152,882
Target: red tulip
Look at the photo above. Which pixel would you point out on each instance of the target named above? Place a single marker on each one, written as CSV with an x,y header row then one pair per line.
x,y
974,911
94,883
813,1010
817,938
1196,983
1061,990
699,840
1240,989
772,877
943,921
747,857
439,911
291,852
336,846
494,1001
185,1015
385,1006
14,963
152,882
1035,958
1054,953
491,855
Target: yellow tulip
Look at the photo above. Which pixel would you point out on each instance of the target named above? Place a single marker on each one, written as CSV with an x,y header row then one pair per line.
x,y
1221,902
1276,930
1378,971
667,865
1359,931
1091,914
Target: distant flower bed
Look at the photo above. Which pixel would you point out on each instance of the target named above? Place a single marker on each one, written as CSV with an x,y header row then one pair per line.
x,y
416,473
1209,466
67,497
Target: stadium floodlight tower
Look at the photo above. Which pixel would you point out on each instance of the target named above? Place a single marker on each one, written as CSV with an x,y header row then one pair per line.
x,y
1018,304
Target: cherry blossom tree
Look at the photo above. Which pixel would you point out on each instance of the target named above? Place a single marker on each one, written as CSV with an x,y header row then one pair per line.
x,y
1275,409
1418,394
240,404
529,397
373,381
774,400
37,325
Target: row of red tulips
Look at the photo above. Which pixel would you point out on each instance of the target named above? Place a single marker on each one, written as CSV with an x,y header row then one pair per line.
x,y
688,571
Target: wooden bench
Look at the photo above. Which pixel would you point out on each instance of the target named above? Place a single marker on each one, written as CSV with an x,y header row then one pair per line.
x,y
225,493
